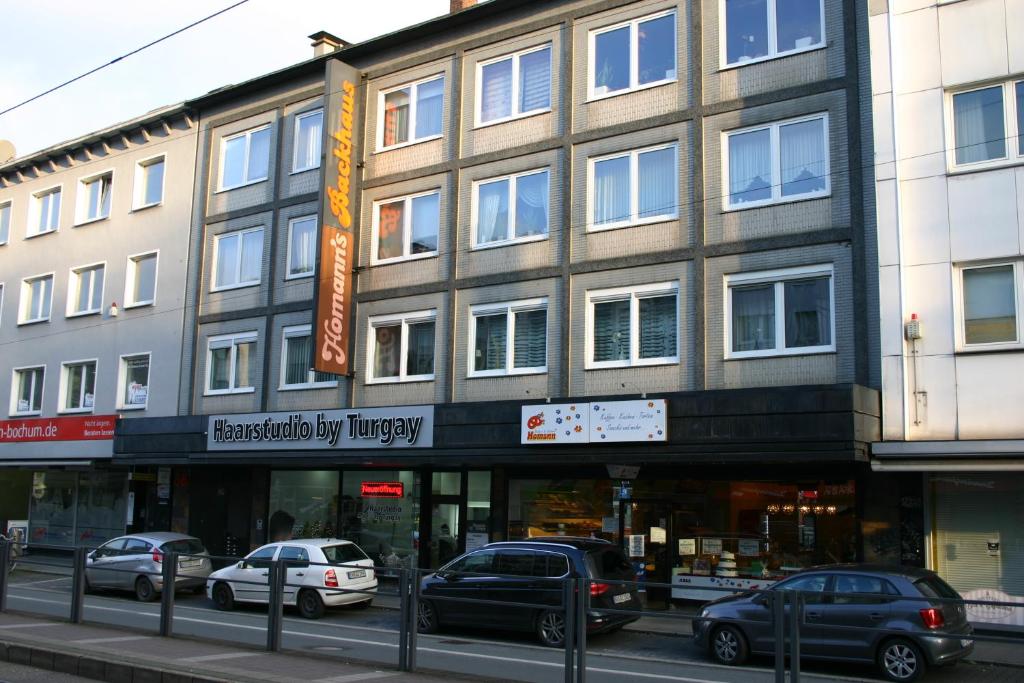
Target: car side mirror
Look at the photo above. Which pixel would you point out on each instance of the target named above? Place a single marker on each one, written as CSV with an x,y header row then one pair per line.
x,y
91,556
243,565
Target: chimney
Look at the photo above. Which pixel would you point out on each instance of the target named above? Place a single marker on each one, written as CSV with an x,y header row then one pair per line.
x,y
459,5
324,43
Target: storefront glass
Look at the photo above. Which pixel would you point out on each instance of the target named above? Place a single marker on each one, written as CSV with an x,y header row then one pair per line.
x,y
101,507
52,508
303,504
71,508
380,512
478,510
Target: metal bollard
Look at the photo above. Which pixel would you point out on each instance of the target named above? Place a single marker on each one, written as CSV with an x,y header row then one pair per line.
x,y
796,617
78,585
777,600
275,607
582,608
568,612
414,615
403,619
169,574
5,565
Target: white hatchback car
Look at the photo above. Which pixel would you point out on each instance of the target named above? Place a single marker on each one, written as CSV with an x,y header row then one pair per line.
x,y
320,572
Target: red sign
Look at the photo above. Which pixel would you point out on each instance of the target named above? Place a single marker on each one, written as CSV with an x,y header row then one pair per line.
x,y
85,428
382,489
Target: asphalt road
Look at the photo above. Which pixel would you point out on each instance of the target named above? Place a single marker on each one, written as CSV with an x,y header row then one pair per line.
x,y
372,636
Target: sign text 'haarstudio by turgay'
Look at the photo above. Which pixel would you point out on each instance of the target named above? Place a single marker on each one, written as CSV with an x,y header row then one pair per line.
x,y
403,427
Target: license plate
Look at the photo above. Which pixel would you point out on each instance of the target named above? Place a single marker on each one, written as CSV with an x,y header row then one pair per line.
x,y
625,597
191,563
357,574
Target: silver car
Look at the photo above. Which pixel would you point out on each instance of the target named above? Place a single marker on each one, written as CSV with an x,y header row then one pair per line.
x,y
135,563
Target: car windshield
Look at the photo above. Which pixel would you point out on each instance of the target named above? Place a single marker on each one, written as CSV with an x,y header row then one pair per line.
x,y
609,563
184,546
934,587
346,552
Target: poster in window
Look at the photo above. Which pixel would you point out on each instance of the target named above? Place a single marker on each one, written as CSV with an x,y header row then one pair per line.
x,y
711,546
137,394
749,547
636,545
687,546
87,401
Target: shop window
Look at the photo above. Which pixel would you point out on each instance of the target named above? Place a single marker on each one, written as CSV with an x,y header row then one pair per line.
x,y
94,197
68,508
296,355
756,30
51,514
633,326
557,507
632,55
149,182
383,521
401,348
508,338
44,216
27,391
231,364
633,188
303,504
301,247
245,158
406,227
36,297
511,209
514,85
140,287
237,259
411,113
308,135
133,380
78,387
85,290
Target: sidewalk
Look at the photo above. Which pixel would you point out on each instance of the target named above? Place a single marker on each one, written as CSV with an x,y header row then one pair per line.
x,y
110,654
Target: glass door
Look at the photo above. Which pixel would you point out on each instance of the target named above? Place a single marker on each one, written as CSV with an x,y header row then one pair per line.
x,y
446,515
647,542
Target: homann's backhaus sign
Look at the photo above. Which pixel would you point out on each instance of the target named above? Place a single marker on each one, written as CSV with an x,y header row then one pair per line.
x,y
603,422
405,427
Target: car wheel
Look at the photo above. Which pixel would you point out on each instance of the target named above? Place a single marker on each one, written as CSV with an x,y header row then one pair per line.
x,y
426,618
901,660
311,605
729,646
223,598
144,590
551,629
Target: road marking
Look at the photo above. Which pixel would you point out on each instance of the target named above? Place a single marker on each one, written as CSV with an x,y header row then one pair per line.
x,y
118,639
223,655
369,675
34,625
36,583
663,677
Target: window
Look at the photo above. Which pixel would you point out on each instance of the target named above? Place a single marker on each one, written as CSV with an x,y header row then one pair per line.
x,y
509,209
1,301
45,215
756,30
411,113
85,290
140,285
401,347
636,54
308,136
231,364
245,158
990,301
811,587
27,391
780,312
629,188
301,247
633,326
406,227
237,259
508,338
514,86
133,382
36,296
296,353
777,162
94,197
149,182
988,125
78,386
480,562
5,222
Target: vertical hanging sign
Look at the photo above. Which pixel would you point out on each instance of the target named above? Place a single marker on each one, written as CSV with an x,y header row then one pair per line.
x,y
333,292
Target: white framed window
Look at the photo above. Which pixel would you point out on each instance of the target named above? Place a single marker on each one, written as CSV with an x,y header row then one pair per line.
x,y
133,382
85,289
633,187
514,85
6,209
508,338
988,301
77,386
296,352
410,113
776,162
231,364
309,129
406,227
27,390
512,208
1,303
44,214
149,182
301,247
985,126
36,298
94,197
140,283
237,259
245,158
635,54
780,312
759,30
631,326
401,347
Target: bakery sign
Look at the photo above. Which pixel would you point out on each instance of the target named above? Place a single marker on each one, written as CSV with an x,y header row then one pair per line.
x,y
597,422
389,428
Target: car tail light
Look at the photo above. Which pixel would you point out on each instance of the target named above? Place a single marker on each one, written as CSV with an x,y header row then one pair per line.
x,y
933,617
330,579
158,556
597,589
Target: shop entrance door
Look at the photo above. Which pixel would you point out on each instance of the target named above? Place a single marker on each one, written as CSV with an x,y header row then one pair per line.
x,y
447,515
647,538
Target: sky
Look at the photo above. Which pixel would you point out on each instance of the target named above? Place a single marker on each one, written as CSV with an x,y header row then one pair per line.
x,y
46,42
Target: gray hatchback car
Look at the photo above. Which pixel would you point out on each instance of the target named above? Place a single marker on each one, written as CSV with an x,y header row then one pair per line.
x,y
135,563
896,609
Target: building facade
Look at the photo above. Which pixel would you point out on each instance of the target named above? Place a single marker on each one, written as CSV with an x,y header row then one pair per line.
x,y
948,90
93,248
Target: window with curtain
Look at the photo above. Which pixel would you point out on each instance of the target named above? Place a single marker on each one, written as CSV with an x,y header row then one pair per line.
x,y
301,246
515,85
296,356
402,347
512,208
632,55
508,338
638,186
238,259
407,226
231,363
776,162
309,129
990,304
988,125
747,31
780,312
245,158
134,380
412,112
634,326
